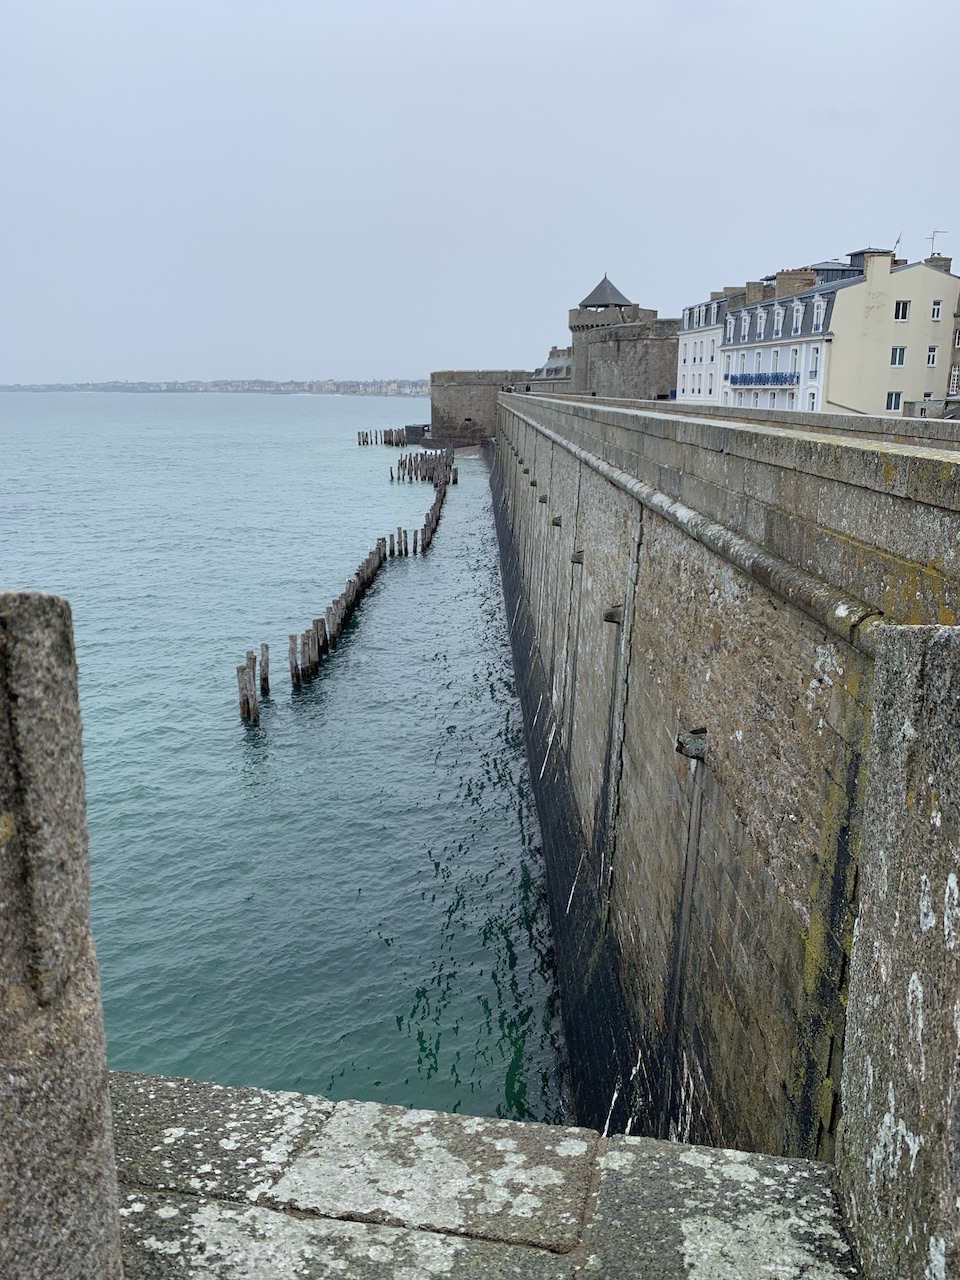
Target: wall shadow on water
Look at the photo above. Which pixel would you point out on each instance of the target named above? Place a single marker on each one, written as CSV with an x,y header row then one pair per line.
x,y
607,1094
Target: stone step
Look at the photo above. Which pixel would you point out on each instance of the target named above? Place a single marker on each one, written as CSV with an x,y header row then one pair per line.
x,y
247,1184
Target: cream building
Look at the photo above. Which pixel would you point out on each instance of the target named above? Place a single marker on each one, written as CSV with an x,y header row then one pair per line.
x,y
891,336
867,343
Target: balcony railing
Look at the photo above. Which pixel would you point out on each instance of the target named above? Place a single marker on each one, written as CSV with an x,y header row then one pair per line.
x,y
762,379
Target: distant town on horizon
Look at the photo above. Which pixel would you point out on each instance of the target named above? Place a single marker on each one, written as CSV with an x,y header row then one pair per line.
x,y
316,387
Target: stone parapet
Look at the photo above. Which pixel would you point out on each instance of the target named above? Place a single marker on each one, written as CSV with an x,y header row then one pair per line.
x,y
58,1190
231,1183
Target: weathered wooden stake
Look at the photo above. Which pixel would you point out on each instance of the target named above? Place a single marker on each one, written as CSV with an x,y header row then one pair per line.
x,y
415,541
294,666
406,544
392,548
265,671
242,687
252,695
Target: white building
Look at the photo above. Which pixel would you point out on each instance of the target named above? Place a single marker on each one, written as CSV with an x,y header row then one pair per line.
x,y
698,354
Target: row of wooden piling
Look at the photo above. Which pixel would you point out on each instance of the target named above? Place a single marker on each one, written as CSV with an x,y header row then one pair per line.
x,y
247,683
323,633
306,651
431,464
396,436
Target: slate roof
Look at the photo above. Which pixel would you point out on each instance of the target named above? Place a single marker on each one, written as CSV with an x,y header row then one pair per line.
x,y
606,295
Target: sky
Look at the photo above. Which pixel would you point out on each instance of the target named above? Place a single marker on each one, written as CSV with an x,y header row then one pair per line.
x,y
380,188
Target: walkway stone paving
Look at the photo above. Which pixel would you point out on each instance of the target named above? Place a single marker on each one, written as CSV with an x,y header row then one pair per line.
x,y
245,1184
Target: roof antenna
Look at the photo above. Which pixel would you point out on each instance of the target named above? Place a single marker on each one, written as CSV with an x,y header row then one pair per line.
x,y
932,237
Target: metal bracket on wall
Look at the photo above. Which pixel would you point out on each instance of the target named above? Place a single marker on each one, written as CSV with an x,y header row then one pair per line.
x,y
693,744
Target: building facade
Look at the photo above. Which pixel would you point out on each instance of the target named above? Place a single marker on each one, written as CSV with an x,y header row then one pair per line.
x,y
870,339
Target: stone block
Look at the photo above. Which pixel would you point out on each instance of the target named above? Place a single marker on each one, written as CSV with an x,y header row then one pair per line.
x,y
175,1235
669,1212
495,1179
208,1139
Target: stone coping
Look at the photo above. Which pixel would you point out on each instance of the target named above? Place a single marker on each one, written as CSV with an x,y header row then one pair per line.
x,y
246,1184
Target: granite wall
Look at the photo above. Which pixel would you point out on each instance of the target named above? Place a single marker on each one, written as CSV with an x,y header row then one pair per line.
x,y
695,610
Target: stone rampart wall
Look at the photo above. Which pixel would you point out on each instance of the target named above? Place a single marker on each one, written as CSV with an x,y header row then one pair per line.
x,y
463,403
635,361
668,575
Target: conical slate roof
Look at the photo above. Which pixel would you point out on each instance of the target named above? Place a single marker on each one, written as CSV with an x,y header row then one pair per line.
x,y
606,295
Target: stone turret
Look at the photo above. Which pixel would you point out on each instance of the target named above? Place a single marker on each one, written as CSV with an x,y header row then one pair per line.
x,y
606,316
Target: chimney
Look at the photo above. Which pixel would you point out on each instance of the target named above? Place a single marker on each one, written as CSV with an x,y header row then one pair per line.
x,y
877,264
939,263
754,291
799,280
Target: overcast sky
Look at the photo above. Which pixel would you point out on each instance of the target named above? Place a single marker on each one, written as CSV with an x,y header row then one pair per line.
x,y
375,188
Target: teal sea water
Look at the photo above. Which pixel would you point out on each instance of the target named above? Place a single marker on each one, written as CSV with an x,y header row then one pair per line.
x,y
349,899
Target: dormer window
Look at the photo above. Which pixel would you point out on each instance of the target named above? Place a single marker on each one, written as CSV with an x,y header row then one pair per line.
x,y
797,317
686,317
714,308
819,308
744,326
777,321
761,324
730,329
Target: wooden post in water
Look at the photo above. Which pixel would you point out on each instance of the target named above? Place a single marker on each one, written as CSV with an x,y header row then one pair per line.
x,y
242,688
264,671
252,695
456,472
306,667
415,541
406,544
294,666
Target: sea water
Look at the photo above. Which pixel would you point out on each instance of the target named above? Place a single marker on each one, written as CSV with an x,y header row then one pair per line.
x,y
349,899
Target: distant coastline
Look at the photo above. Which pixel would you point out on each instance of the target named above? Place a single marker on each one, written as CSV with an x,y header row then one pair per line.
x,y
319,387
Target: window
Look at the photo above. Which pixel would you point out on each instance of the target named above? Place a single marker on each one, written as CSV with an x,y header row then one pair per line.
x,y
819,308
955,380
814,361
726,397
726,365
710,383
777,321
797,317
791,399
756,362
898,357
935,309
931,357
773,399
756,399
729,328
761,324
701,353
901,310
893,401
684,353
775,359
956,338
713,312
713,350
739,397
743,362
794,359
811,401
745,326
686,317
683,384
